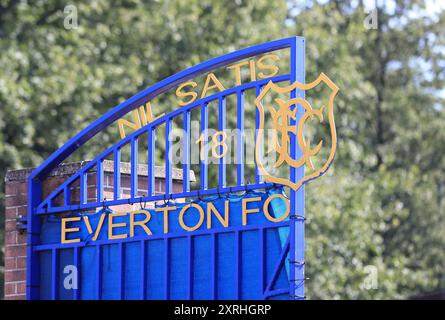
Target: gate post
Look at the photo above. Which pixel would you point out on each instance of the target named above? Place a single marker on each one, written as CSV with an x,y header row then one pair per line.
x,y
297,218
33,274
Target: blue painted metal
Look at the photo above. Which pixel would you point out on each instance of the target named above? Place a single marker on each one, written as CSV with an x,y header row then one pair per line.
x,y
121,271
237,264
67,195
98,272
117,173
221,128
168,162
76,263
213,271
43,210
190,267
134,168
257,121
54,274
100,181
240,142
83,190
151,163
204,134
167,268
34,226
173,235
143,269
297,197
295,242
186,151
263,272
277,269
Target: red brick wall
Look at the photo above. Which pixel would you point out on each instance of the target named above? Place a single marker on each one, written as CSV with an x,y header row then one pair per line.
x,y
16,205
15,243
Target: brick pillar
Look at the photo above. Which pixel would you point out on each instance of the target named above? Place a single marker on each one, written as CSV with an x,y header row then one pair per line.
x,y
15,243
16,206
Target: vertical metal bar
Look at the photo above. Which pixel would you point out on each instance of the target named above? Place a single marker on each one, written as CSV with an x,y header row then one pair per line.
x,y
121,253
167,268
213,267
258,177
98,272
54,274
76,261
168,164
34,226
100,181
237,265
83,187
190,267
240,139
204,162
262,260
67,195
143,269
297,198
186,153
151,162
117,173
221,128
134,168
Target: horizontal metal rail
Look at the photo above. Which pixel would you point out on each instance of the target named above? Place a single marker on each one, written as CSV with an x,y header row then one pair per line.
x,y
173,235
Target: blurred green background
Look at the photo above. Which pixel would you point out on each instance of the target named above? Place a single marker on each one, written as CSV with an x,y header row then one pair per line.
x,y
379,212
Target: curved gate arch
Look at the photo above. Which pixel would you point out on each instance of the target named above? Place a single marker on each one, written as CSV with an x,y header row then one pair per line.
x,y
39,207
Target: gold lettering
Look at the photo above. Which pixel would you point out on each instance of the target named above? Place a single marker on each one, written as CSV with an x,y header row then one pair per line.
x,y
274,69
211,208
266,208
237,68
65,230
245,211
211,211
123,122
165,210
207,86
252,70
181,217
86,220
99,226
149,115
142,223
142,117
112,225
192,94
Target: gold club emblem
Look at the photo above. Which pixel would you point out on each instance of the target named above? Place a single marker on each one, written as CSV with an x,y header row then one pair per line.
x,y
286,113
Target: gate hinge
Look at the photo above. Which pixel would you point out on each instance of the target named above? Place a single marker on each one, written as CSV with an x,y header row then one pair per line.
x,y
21,223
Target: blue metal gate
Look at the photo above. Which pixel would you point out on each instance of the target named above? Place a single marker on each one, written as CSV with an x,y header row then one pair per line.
x,y
291,250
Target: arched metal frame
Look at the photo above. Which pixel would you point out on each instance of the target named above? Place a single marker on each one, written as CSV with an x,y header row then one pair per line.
x,y
38,206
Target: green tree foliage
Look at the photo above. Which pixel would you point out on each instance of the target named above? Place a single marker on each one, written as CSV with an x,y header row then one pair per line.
x,y
380,205
54,81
